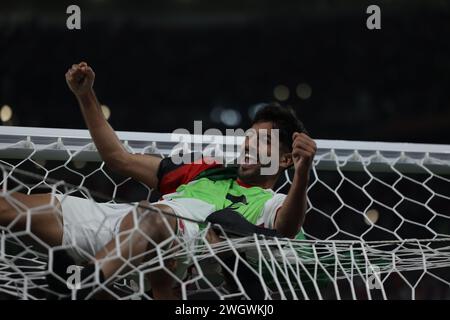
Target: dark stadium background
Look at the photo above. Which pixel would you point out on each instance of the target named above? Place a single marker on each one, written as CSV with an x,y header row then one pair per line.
x,y
161,65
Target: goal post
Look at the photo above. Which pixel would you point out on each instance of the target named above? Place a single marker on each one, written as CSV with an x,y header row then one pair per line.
x,y
377,224
18,142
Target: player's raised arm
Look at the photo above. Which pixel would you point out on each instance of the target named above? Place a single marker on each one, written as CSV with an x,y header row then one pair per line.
x,y
291,215
80,79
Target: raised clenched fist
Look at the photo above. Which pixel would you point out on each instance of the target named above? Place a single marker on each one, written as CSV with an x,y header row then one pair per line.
x,y
80,78
303,150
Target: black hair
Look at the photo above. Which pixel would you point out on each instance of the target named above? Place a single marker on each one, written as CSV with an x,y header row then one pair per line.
x,y
284,119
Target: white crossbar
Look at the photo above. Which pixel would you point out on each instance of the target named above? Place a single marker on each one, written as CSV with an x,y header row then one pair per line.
x,y
54,144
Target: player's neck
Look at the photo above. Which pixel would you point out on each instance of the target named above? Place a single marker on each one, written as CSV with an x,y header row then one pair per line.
x,y
268,183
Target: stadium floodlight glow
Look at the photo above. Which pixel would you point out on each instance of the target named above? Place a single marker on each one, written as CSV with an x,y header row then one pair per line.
x,y
303,91
6,113
281,92
230,117
372,216
106,111
79,164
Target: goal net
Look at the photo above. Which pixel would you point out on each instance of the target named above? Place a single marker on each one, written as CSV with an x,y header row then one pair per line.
x,y
377,224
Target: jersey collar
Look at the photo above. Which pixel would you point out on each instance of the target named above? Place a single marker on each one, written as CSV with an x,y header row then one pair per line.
x,y
243,184
246,185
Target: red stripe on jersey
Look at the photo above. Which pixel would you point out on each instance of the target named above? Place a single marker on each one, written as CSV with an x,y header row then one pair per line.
x,y
243,184
182,175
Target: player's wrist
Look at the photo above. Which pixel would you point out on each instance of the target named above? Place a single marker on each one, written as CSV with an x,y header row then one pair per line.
x,y
85,95
302,173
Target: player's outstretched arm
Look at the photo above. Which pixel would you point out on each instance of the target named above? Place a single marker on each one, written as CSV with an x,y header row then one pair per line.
x,y
291,215
80,79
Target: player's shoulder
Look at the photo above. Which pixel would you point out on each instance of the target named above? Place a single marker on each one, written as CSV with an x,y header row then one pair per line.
x,y
277,196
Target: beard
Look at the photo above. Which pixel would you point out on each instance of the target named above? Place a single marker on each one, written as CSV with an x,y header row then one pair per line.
x,y
251,174
249,171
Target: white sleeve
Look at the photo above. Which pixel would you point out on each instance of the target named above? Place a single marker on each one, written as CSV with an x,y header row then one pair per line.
x,y
270,209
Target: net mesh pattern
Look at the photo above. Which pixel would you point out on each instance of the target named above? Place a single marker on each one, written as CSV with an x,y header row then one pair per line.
x,y
377,227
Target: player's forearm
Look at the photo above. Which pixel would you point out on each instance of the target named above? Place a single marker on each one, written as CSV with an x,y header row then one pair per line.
x,y
108,144
291,215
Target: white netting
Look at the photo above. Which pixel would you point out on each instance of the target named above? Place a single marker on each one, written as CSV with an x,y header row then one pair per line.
x,y
377,226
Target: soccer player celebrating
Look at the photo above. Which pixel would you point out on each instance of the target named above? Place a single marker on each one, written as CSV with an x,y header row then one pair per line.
x,y
194,191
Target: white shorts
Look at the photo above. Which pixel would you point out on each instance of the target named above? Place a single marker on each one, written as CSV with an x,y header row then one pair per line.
x,y
89,225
